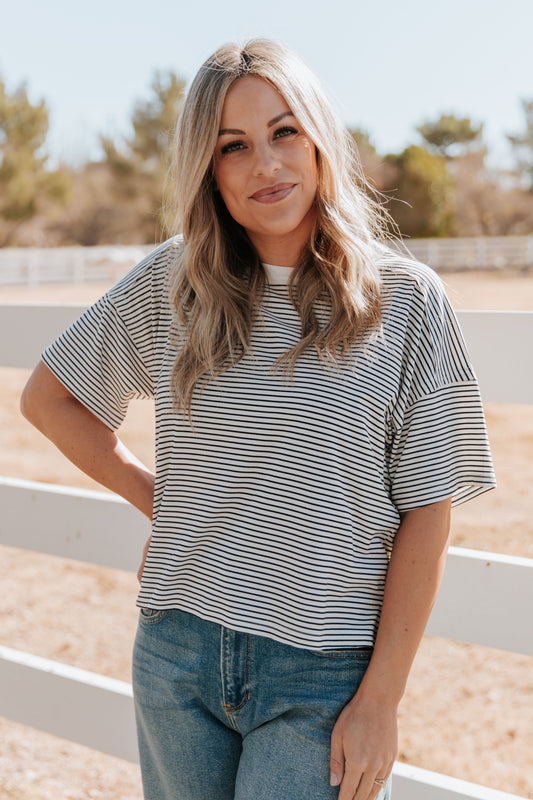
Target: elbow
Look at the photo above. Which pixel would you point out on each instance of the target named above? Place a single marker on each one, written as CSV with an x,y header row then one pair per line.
x,y
29,405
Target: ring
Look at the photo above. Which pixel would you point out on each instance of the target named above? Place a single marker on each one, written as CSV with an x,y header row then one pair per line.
x,y
381,781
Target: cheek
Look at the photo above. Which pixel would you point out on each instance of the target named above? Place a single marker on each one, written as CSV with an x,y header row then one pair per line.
x,y
228,189
312,175
309,163
227,183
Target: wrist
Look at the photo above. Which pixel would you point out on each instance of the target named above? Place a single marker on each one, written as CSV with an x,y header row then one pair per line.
x,y
384,690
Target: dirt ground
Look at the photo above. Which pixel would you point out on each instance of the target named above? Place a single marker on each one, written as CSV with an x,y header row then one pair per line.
x,y
468,711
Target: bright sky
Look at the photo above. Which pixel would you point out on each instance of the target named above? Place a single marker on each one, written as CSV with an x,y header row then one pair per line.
x,y
388,65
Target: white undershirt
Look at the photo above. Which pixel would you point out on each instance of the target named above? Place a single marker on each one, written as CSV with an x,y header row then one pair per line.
x,y
276,274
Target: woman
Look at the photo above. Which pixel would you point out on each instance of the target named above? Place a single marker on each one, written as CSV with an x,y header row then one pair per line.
x,y
316,414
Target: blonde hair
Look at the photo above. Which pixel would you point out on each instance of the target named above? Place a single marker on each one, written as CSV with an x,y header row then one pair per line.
x,y
219,281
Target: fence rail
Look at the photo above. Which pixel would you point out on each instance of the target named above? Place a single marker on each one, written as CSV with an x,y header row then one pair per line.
x,y
33,266
490,335
476,253
76,523
484,598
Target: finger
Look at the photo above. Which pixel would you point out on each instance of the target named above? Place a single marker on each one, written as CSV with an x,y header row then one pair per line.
x,y
349,786
378,787
143,561
336,762
382,776
367,789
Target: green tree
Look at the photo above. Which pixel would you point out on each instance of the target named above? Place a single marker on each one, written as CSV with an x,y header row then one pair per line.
x,y
27,187
421,192
375,169
450,135
522,144
139,164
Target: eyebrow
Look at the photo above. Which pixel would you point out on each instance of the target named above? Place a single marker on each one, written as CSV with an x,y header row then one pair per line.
x,y
237,132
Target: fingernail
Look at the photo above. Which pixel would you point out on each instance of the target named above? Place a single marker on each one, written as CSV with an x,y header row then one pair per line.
x,y
334,780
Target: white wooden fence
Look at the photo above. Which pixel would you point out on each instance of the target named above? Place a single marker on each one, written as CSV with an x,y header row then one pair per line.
x,y
476,253
33,266
485,599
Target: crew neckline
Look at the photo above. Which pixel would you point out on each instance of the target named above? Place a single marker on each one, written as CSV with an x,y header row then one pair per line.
x,y
277,275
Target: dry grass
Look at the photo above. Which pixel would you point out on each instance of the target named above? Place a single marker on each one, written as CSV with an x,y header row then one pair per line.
x,y
467,711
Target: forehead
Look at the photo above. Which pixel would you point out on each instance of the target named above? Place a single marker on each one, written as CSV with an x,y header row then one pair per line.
x,y
252,96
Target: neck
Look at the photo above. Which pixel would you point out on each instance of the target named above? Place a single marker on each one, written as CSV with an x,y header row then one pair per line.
x,y
279,252
284,249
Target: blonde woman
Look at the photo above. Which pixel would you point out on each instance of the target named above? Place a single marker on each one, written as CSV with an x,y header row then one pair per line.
x,y
316,415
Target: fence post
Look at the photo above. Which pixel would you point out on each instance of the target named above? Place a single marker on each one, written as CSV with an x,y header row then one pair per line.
x,y
78,265
481,253
529,251
33,266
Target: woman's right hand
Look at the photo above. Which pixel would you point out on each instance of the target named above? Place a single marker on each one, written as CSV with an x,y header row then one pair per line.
x,y
145,553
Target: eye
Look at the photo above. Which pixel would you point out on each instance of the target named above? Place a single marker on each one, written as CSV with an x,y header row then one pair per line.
x,y
231,147
285,131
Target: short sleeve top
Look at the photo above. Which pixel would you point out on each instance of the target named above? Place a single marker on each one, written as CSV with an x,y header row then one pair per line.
x,y
275,514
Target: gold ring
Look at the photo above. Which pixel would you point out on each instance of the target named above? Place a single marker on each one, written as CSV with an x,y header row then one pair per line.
x,y
381,781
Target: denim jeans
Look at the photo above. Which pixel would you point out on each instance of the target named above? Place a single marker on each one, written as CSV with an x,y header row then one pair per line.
x,y
223,715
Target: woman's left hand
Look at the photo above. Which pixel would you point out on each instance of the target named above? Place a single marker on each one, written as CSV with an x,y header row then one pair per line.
x,y
364,745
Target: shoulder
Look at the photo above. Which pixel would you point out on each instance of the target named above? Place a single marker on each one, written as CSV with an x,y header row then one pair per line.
x,y
412,290
401,272
147,281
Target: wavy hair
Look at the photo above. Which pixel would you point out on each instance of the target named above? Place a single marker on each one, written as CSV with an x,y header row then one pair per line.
x,y
219,281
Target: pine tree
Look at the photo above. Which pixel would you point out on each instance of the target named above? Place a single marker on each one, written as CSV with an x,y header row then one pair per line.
x,y
140,163
450,135
27,187
421,183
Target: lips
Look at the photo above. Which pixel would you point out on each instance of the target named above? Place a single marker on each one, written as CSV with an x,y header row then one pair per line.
x,y
273,194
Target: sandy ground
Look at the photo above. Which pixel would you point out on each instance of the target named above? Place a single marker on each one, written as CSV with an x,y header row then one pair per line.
x,y
468,711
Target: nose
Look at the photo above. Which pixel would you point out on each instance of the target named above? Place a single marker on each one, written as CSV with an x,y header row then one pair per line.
x,y
266,160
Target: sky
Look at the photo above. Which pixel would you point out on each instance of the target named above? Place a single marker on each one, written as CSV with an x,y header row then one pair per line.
x,y
387,65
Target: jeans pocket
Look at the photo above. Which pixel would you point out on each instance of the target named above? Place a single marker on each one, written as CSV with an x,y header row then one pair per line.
x,y
151,616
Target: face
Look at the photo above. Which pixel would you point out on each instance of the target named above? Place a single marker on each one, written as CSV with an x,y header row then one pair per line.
x,y
266,171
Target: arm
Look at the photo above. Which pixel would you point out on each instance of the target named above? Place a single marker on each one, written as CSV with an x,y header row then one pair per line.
x,y
365,740
85,440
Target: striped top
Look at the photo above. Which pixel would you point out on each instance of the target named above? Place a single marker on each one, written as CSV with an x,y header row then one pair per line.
x,y
276,513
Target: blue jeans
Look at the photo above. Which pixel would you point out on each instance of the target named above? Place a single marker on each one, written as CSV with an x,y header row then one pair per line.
x,y
223,715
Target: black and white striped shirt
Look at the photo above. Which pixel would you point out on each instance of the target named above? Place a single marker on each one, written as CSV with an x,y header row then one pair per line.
x,y
276,513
